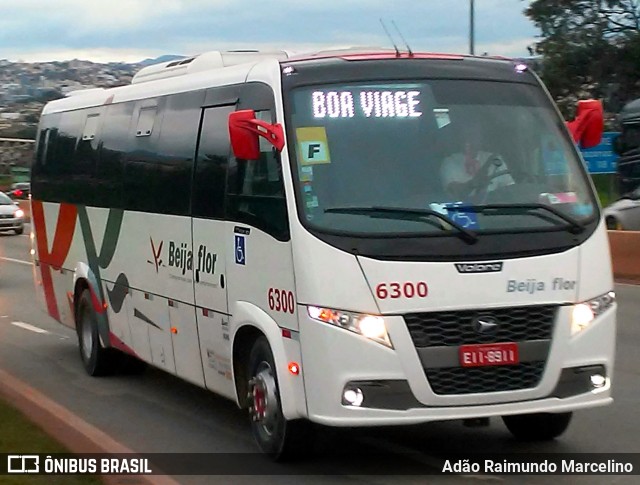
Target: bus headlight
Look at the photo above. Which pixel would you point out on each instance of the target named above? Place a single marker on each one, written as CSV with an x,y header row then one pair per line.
x,y
369,326
585,313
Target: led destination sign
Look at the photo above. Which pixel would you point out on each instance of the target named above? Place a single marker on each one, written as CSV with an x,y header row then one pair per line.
x,y
367,103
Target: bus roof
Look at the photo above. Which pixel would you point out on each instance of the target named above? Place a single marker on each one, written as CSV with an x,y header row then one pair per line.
x,y
230,67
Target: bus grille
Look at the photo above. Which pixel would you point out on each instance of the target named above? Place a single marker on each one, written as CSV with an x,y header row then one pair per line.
x,y
435,331
452,328
469,380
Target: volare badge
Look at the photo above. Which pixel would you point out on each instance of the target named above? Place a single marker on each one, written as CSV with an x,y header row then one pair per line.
x,y
492,267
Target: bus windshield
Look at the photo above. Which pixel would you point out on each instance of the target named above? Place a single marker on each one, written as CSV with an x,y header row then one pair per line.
x,y
382,157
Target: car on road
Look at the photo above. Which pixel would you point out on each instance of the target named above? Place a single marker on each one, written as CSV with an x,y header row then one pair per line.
x,y
11,216
624,214
20,190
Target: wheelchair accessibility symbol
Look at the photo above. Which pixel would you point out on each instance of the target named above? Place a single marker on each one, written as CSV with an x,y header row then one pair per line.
x,y
241,254
468,220
463,219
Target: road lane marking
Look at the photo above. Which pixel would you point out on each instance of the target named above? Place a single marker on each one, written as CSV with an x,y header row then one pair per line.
x,y
19,261
32,328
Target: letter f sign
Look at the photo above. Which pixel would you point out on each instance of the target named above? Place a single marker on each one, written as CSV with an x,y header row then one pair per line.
x,y
314,152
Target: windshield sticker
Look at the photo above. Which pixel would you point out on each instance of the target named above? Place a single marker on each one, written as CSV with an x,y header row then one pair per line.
x,y
312,201
442,117
559,198
313,147
582,209
468,220
306,174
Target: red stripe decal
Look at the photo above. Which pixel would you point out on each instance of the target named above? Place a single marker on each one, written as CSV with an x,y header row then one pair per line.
x,y
65,227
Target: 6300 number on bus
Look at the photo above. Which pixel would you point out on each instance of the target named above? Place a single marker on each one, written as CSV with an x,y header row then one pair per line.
x,y
281,300
402,290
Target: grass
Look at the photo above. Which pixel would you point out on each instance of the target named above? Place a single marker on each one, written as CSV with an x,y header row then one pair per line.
x,y
19,436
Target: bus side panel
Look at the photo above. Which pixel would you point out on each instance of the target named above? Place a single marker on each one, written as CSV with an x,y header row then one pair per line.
x,y
262,292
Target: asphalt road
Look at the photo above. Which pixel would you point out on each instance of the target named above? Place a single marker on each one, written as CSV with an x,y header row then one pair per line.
x,y
157,413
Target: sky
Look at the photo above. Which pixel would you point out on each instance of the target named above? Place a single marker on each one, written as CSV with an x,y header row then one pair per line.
x,y
132,30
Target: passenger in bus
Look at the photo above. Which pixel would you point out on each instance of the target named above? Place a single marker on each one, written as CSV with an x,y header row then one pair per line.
x,y
471,172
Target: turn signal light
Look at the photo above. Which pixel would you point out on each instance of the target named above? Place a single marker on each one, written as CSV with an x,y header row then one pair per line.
x,y
294,368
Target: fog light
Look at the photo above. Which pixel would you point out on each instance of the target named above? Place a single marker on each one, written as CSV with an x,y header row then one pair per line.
x,y
598,381
352,397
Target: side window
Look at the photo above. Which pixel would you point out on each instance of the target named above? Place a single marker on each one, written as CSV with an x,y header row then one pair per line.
x,y
41,170
255,190
115,143
142,181
87,150
177,148
211,163
64,181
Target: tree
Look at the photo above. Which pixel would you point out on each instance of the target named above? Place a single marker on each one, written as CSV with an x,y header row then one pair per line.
x,y
590,48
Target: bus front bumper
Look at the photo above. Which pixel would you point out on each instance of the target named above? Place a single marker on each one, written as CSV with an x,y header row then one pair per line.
x,y
390,385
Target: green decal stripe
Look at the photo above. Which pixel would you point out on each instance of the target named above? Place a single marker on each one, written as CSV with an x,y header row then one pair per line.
x,y
108,249
111,236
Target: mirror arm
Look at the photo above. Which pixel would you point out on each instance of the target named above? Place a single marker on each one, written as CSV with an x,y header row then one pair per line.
x,y
272,132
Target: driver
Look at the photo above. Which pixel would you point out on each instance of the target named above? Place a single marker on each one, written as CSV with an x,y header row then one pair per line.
x,y
472,172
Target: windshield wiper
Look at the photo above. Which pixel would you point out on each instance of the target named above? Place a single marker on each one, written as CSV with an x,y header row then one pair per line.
x,y
414,214
500,209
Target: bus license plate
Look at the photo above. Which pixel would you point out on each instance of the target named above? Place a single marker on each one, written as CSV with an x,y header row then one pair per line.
x,y
481,355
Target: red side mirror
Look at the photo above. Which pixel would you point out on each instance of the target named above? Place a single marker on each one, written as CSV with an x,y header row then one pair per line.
x,y
244,130
588,125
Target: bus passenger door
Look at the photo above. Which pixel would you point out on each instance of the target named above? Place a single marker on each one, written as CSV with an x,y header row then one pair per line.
x,y
209,269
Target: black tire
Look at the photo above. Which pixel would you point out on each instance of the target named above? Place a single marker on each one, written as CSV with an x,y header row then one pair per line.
x,y
19,231
537,427
279,438
97,360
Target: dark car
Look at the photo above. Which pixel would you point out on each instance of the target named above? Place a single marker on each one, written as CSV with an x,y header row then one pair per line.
x,y
627,145
20,190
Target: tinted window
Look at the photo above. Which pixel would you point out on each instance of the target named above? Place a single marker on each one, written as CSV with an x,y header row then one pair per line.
x,y
177,147
115,143
211,165
142,171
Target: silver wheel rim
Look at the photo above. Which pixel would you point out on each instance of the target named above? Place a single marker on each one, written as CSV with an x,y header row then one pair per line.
x,y
87,338
264,399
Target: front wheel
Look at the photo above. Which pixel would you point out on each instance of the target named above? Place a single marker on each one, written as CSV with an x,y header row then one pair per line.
x,y
19,231
97,360
537,427
276,436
